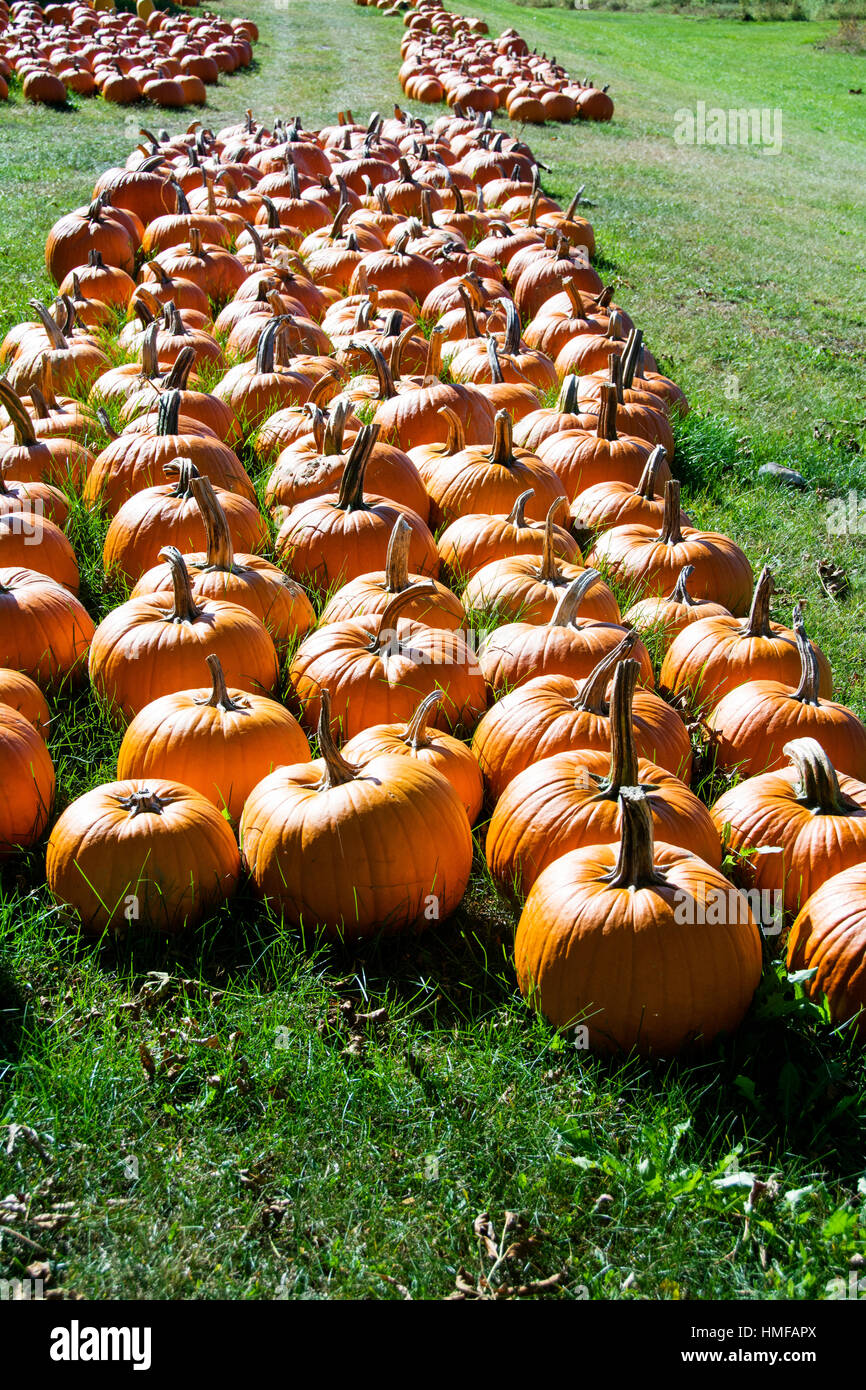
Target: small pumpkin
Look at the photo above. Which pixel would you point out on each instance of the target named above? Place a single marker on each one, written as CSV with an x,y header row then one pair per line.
x,y
156,854
435,605
222,742
475,540
667,616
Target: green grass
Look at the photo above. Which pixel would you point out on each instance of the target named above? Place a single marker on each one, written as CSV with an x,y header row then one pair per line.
x,y
207,1120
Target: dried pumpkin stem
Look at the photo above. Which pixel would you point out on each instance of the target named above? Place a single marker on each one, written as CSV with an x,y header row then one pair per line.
x,y
680,592
397,557
758,622
606,428
550,572
185,608
646,487
634,867
416,735
818,787
623,754
22,424
351,494
220,552
671,532
594,688
219,697
141,803
807,690
456,441
565,612
337,770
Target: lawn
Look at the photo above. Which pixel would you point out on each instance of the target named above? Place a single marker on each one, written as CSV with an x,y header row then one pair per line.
x,y
221,1117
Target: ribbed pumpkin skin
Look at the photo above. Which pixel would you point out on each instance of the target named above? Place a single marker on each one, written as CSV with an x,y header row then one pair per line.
x,y
26,782
755,721
709,660
617,960
470,482
539,720
374,855
44,631
668,618
829,936
179,864
22,694
38,544
368,594
580,460
764,813
368,688
547,811
472,542
519,652
633,555
440,751
222,753
139,654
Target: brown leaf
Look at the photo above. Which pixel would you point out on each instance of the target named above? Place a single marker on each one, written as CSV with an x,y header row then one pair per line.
x,y
486,1233
40,1269
147,1060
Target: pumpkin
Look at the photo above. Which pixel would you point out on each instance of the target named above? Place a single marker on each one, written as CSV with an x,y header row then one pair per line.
x,y
357,852
221,742
829,938
93,228
33,542
370,593
753,723
616,503
430,747
154,854
526,588
581,458
411,416
338,536
22,694
154,646
635,912
254,390
170,515
571,800
482,479
806,823
555,325
313,465
44,631
247,580
26,782
555,714
666,617
717,654
476,540
136,460
32,458
536,427
377,671
29,500
649,560
568,644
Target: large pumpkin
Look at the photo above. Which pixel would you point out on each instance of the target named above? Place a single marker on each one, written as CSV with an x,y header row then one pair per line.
x,y
136,854
357,852
620,939
828,938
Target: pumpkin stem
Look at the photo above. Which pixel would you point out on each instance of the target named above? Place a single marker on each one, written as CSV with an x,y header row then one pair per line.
x,y
577,304
185,609
623,754
631,357
397,557
22,424
565,612
53,332
185,470
594,688
220,552
472,329
386,633
550,572
614,370
567,403
634,867
496,375
139,803
606,428
511,338
680,592
646,487
517,516
433,365
807,690
502,448
818,787
671,534
396,364
351,495
167,413
105,423
387,390
572,207
337,770
177,379
415,734
46,382
456,441
758,622
219,697
266,348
